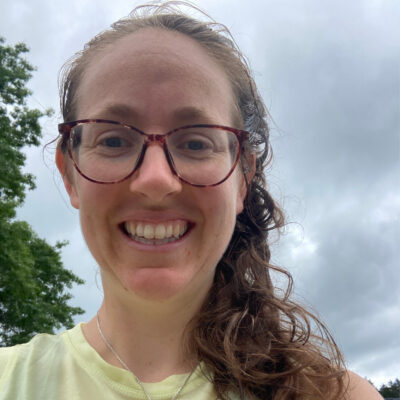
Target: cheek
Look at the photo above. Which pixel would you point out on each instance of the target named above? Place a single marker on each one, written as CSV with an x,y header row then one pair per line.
x,y
221,232
95,225
67,173
90,223
94,202
222,211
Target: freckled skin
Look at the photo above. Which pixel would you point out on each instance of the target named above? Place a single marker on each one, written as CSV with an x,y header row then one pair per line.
x,y
157,73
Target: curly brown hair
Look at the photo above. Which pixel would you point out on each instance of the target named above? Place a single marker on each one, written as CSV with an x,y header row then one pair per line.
x,y
254,341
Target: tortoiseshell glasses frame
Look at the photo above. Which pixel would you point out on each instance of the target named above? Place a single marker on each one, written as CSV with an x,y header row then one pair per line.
x,y
65,129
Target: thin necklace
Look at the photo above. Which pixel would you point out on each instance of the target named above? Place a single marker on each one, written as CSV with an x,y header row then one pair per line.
x,y
108,344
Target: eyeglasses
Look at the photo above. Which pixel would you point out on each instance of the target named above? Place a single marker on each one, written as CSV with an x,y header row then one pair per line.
x,y
106,151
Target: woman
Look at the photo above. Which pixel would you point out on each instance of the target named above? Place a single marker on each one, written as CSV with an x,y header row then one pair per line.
x,y
162,151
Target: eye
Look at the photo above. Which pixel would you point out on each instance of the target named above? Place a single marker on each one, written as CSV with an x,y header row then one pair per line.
x,y
195,144
192,146
199,143
117,139
107,141
114,142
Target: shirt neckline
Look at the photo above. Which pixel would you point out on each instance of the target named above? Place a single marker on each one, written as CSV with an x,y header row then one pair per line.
x,y
122,380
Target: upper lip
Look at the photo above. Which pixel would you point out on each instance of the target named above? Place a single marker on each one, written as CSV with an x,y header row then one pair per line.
x,y
155,217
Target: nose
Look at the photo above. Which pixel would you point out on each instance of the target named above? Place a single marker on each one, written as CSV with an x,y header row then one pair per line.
x,y
154,178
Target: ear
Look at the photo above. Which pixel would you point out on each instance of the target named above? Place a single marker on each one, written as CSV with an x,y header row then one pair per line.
x,y
61,163
246,176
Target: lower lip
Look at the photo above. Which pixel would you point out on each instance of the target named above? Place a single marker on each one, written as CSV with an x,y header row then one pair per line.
x,y
165,247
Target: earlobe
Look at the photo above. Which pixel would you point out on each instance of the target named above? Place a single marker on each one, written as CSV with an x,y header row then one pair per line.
x,y
69,186
250,168
241,194
248,172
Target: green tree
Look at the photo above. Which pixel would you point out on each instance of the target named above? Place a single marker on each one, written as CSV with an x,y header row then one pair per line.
x,y
392,389
33,281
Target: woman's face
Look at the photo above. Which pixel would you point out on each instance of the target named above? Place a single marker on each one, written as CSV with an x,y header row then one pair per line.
x,y
156,80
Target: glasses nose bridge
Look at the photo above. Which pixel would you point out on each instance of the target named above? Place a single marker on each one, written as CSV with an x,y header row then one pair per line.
x,y
160,140
155,138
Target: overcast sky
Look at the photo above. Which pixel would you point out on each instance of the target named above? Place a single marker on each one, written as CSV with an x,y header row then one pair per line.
x,y
329,73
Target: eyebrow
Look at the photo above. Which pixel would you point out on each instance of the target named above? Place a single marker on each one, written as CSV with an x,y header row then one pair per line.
x,y
118,110
193,114
186,114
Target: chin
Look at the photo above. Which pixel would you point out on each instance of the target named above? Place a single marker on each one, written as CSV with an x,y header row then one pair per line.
x,y
157,284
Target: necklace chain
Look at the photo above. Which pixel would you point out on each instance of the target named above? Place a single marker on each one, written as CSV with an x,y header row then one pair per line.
x,y
108,344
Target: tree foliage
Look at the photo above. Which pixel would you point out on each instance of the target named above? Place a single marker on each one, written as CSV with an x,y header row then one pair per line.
x,y
33,281
391,389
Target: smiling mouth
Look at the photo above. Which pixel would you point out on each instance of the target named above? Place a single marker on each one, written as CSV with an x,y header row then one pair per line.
x,y
156,234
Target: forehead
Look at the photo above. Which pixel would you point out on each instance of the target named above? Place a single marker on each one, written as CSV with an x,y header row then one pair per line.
x,y
155,68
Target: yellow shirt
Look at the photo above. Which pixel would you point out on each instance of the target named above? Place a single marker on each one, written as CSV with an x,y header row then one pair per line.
x,y
65,366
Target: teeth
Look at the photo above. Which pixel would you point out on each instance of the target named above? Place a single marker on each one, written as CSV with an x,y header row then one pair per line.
x,y
148,232
169,231
160,232
140,230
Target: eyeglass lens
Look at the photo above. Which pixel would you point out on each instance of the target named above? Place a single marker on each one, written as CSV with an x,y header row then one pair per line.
x,y
108,152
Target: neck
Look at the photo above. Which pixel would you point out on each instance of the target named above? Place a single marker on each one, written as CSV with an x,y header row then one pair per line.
x,y
149,337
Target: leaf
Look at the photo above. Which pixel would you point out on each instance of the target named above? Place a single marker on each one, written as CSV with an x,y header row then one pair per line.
x,y
33,281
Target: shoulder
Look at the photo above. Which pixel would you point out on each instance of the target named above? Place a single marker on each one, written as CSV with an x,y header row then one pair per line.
x,y
360,389
7,355
24,368
33,352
